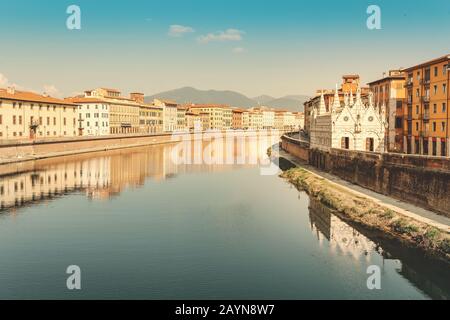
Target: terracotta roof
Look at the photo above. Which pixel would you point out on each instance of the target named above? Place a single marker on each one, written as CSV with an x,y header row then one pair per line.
x,y
108,89
150,106
31,97
84,100
437,60
210,106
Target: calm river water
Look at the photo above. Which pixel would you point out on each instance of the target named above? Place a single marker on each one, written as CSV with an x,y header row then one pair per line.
x,y
140,226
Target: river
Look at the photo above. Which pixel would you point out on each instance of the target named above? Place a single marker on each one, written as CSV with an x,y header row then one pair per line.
x,y
140,226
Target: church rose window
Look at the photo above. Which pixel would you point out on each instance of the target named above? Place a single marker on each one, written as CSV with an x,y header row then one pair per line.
x,y
371,119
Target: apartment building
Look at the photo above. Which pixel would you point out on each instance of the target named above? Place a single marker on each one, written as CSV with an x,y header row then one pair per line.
x,y
170,114
389,93
92,116
237,119
181,118
193,122
426,115
28,115
220,116
255,120
150,116
299,119
123,112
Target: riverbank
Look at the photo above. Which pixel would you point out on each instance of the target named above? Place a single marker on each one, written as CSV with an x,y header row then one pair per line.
x,y
423,233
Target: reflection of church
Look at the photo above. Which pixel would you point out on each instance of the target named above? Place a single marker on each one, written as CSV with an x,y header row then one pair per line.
x,y
344,240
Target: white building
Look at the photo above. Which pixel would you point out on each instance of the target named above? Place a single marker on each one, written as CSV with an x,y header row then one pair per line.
x,y
170,114
289,121
92,116
353,126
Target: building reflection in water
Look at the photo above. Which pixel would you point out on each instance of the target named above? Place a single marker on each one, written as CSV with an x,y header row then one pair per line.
x,y
343,239
107,174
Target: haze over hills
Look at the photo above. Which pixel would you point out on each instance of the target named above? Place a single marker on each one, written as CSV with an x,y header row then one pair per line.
x,y
231,98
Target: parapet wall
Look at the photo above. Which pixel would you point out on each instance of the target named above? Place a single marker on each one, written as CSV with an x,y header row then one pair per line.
x,y
421,180
20,151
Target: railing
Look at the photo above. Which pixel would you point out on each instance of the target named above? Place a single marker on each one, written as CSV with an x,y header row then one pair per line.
x,y
425,81
426,99
409,83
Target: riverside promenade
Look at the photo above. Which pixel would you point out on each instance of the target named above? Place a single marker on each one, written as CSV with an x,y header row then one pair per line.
x,y
401,207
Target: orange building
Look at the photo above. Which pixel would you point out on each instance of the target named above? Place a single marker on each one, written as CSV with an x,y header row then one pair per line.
x,y
426,115
237,119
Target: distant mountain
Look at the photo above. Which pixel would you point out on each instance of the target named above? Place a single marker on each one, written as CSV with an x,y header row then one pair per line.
x,y
263,99
290,102
192,95
231,98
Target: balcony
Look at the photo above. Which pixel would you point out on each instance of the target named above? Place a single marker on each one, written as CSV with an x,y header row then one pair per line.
x,y
425,81
424,133
426,116
409,117
426,99
409,83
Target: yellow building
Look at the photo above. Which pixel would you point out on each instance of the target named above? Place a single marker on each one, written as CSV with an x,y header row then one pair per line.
x,y
193,122
389,92
123,113
425,113
181,118
150,116
220,116
27,115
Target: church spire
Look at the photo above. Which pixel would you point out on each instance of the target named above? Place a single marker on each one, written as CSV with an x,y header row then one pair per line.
x,y
336,102
322,107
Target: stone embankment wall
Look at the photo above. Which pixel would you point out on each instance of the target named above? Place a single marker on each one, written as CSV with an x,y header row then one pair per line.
x,y
20,151
421,180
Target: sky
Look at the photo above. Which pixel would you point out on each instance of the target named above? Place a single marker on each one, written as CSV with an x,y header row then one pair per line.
x,y
274,47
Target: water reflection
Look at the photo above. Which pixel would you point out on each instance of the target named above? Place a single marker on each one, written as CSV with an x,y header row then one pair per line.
x,y
268,241
340,238
107,174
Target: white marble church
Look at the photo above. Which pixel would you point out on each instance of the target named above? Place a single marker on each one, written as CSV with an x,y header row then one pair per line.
x,y
352,126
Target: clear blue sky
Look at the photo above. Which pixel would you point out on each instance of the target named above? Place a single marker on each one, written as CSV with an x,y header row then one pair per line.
x,y
278,47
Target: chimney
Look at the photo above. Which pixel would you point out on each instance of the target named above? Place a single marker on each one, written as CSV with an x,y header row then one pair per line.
x,y
11,90
137,96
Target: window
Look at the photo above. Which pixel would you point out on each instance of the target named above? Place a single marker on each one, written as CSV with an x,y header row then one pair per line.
x,y
442,126
435,89
435,71
435,108
370,144
417,109
20,119
14,119
434,126
444,107
444,88
417,126
1,119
